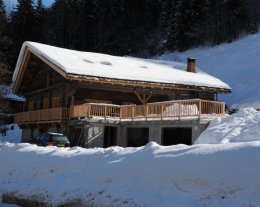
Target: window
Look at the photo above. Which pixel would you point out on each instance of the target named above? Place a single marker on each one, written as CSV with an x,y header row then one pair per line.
x,y
31,105
46,103
55,102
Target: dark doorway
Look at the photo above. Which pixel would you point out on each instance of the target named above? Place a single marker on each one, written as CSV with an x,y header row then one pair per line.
x,y
110,136
137,137
172,136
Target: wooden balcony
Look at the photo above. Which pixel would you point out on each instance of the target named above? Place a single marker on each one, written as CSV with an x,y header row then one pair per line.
x,y
188,109
42,116
170,109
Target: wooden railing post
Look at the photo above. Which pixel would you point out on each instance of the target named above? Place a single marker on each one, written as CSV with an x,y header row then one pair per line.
x,y
223,109
179,104
120,112
89,110
146,111
161,111
199,108
105,112
132,112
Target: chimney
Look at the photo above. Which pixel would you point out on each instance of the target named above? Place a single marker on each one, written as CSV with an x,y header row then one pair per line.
x,y
191,65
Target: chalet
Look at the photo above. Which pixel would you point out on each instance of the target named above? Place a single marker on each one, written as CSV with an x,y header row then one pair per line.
x,y
101,100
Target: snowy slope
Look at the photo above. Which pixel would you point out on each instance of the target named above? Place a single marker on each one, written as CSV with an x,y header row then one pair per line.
x,y
152,176
243,126
237,63
97,65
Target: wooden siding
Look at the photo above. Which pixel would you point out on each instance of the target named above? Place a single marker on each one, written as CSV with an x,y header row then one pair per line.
x,y
46,103
31,105
55,102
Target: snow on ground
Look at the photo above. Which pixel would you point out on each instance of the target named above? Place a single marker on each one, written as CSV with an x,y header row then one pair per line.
x,y
13,133
243,126
235,63
153,175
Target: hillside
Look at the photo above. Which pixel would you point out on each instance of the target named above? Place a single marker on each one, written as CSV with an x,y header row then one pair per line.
x,y
235,63
243,126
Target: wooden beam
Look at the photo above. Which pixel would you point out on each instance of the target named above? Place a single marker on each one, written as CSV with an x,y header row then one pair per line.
x,y
21,71
124,89
143,99
147,98
50,88
148,85
139,97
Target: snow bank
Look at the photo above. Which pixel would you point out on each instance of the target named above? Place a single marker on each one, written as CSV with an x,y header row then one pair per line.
x,y
236,63
13,133
243,126
153,175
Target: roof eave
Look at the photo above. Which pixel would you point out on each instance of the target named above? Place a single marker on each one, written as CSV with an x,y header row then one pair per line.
x,y
146,84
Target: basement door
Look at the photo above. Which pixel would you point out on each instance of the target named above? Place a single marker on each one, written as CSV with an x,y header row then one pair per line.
x,y
173,136
137,137
110,136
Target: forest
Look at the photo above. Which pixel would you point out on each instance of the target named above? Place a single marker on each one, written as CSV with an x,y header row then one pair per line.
x,y
140,28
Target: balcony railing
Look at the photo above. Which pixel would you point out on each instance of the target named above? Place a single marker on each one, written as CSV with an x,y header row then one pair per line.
x,y
95,110
174,109
194,108
41,116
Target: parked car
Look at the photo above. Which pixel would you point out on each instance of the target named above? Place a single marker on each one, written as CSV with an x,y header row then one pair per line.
x,y
51,139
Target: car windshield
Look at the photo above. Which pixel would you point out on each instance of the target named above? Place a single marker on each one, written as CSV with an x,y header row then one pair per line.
x,y
59,138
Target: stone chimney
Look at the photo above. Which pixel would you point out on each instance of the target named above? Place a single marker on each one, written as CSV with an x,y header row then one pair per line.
x,y
191,65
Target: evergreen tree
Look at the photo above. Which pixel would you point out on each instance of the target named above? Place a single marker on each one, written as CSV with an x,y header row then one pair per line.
x,y
23,21
2,16
124,27
217,21
169,24
39,21
5,68
237,20
190,20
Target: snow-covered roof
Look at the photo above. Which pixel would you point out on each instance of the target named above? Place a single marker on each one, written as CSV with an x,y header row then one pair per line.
x,y
122,68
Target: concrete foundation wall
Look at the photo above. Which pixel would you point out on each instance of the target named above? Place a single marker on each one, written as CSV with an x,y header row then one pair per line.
x,y
26,135
155,129
29,133
92,133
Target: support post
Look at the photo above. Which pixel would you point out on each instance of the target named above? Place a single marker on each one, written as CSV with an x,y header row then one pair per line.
x,y
199,108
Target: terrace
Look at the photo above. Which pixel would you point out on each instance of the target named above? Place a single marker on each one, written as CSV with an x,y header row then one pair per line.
x,y
180,109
